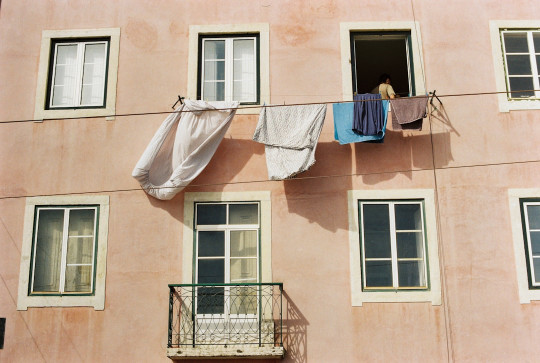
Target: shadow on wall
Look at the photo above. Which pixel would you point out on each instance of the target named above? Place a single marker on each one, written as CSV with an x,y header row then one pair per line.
x,y
294,336
310,198
294,331
403,152
228,162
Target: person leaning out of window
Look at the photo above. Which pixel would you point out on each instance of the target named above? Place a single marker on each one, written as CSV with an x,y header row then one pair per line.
x,y
385,88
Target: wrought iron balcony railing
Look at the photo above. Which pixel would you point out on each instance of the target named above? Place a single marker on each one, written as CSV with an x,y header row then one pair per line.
x,y
225,314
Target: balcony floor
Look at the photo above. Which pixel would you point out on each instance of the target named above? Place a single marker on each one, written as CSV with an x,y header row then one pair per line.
x,y
226,352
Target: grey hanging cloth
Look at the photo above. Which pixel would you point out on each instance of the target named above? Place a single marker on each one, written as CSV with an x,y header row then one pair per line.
x,y
408,113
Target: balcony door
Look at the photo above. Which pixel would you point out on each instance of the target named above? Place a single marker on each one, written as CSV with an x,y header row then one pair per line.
x,y
227,258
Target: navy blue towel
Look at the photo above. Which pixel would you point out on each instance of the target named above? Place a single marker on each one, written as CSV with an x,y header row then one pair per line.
x,y
368,115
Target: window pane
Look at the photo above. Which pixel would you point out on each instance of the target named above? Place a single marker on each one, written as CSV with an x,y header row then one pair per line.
x,y
78,279
411,274
376,230
535,243
519,65
214,91
410,245
211,214
408,217
243,270
48,252
211,243
538,64
81,222
210,300
244,300
243,243
536,264
214,71
533,213
515,43
378,273
243,214
94,74
214,49
536,41
521,83
244,70
65,78
211,271
80,250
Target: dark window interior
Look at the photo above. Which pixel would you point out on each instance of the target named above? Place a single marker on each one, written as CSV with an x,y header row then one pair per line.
x,y
376,53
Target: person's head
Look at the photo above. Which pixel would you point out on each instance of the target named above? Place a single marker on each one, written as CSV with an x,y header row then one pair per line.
x,y
384,78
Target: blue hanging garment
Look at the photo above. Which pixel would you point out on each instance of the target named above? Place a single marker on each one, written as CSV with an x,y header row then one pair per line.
x,y
343,121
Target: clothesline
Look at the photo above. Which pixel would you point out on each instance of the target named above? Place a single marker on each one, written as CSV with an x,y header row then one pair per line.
x,y
257,106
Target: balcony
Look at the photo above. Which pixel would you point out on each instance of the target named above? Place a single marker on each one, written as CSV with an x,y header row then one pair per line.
x,y
225,321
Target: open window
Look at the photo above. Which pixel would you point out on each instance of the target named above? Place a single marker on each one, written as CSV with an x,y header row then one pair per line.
x,y
375,53
371,48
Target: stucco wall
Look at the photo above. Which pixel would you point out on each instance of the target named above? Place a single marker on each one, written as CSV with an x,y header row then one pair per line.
x,y
480,319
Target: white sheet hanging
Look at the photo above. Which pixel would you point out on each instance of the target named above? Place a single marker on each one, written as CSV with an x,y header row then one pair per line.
x,y
290,135
173,159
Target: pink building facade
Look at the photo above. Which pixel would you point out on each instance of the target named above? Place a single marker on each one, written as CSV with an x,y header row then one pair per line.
x,y
424,247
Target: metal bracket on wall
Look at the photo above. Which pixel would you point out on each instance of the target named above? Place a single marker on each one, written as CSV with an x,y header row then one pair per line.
x,y
180,98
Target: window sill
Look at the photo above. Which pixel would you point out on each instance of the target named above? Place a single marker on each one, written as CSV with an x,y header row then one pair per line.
x,y
96,302
506,105
41,114
396,297
226,352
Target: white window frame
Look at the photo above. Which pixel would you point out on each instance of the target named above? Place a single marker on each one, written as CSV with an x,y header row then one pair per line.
x,y
81,49
393,245
526,294
496,27
217,30
532,60
65,238
383,26
265,253
227,229
359,296
42,110
265,239
229,65
527,232
95,300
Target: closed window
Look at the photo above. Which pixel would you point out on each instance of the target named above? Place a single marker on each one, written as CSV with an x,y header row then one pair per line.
x,y
393,245
64,249
64,252
229,68
78,73
530,210
521,50
227,241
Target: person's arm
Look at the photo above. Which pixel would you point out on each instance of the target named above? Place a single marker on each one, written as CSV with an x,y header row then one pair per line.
x,y
391,92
